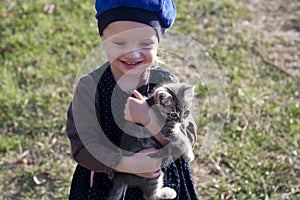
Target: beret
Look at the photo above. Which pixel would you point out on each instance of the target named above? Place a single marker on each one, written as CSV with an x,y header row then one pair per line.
x,y
159,14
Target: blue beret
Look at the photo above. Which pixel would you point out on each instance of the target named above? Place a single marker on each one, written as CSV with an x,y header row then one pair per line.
x,y
159,14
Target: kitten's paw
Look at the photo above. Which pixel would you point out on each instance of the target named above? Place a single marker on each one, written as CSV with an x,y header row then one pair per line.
x,y
192,157
189,157
166,193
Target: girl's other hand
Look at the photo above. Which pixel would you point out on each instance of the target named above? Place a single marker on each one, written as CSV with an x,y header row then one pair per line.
x,y
152,174
141,164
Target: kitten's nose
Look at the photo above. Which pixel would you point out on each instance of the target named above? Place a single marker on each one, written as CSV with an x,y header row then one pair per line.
x,y
184,123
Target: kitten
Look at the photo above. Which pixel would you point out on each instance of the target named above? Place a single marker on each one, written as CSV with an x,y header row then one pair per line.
x,y
172,103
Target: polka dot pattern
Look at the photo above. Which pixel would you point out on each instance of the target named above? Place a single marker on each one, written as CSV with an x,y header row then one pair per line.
x,y
177,173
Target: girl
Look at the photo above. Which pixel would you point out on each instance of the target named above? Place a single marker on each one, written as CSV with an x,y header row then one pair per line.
x,y
105,98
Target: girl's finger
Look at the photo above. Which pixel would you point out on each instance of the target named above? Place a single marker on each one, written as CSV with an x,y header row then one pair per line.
x,y
148,151
138,95
156,174
126,111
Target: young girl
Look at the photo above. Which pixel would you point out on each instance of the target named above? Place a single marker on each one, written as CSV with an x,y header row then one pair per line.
x,y
105,98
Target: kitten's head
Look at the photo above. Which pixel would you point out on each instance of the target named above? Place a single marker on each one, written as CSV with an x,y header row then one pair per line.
x,y
175,100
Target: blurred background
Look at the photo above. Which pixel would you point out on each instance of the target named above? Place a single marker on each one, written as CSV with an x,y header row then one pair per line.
x,y
255,44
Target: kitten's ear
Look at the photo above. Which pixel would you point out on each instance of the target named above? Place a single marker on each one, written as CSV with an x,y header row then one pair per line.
x,y
164,97
190,90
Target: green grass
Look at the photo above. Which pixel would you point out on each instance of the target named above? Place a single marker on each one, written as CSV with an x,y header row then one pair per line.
x,y
257,156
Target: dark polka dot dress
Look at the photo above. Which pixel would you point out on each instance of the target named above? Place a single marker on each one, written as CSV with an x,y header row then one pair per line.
x,y
111,102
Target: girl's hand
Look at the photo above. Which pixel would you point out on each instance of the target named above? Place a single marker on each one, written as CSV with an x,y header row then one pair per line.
x,y
137,110
152,174
149,174
141,164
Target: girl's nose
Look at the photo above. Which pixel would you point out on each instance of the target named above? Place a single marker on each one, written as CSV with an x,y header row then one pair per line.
x,y
133,54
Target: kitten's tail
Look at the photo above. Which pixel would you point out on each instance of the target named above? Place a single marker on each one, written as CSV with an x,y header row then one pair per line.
x,y
124,191
118,190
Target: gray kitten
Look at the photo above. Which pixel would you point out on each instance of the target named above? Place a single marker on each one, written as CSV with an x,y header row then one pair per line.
x,y
172,103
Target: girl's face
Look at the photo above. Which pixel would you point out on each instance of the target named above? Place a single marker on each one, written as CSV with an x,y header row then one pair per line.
x,y
131,47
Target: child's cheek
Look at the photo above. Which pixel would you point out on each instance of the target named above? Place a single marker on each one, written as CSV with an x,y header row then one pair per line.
x,y
113,54
151,55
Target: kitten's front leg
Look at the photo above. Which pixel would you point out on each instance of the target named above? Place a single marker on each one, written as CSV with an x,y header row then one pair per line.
x,y
182,147
176,149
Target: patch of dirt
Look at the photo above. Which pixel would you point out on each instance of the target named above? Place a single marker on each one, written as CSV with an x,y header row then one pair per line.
x,y
202,171
276,25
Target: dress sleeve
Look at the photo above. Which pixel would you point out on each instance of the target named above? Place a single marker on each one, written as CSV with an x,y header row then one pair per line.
x,y
89,146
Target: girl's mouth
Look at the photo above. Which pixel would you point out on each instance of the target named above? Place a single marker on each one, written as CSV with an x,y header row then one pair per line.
x,y
131,65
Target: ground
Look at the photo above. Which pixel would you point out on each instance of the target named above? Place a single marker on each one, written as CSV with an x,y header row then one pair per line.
x,y
254,44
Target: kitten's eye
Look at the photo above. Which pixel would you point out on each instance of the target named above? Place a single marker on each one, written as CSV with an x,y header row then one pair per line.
x,y
173,115
186,113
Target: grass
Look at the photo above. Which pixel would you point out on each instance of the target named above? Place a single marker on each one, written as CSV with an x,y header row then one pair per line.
x,y
257,155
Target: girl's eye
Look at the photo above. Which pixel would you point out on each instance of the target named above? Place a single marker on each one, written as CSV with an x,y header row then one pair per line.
x,y
119,43
146,44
